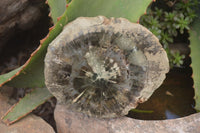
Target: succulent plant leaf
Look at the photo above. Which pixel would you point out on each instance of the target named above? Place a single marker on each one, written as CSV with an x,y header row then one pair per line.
x,y
57,8
129,9
26,105
195,54
5,77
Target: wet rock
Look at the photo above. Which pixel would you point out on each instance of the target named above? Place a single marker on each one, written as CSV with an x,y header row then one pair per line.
x,y
70,122
29,124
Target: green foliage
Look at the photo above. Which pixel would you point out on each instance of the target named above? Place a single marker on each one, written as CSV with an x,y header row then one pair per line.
x,y
166,23
27,104
5,77
129,9
195,54
177,58
57,8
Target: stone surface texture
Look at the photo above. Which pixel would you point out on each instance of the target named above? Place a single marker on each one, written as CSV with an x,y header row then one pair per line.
x,y
71,122
29,124
104,67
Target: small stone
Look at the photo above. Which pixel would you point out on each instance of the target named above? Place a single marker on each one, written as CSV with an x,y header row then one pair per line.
x,y
29,124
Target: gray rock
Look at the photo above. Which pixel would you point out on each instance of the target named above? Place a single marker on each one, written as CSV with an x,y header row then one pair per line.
x,y
68,121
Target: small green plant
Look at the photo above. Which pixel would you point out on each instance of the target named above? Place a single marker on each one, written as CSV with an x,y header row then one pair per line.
x,y
166,23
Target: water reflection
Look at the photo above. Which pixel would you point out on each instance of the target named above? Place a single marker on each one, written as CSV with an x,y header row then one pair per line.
x,y
173,99
170,115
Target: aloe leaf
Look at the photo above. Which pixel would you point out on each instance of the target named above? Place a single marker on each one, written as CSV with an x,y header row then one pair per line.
x,y
130,9
32,72
57,8
195,55
7,76
26,105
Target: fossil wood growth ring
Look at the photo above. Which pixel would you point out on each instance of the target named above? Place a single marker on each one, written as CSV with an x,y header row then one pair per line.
x,y
104,67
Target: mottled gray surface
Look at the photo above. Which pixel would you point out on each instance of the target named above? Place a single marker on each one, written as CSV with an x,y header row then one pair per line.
x,y
104,67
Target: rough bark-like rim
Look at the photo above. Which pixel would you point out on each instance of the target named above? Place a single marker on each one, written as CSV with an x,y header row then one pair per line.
x,y
148,62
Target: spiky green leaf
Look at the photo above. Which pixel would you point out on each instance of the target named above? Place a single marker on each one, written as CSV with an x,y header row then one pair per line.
x,y
27,105
195,55
57,8
130,9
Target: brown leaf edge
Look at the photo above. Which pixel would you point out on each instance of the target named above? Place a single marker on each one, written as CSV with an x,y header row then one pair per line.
x,y
50,7
138,21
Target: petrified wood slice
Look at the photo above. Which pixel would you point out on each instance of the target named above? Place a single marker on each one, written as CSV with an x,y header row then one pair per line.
x,y
104,67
